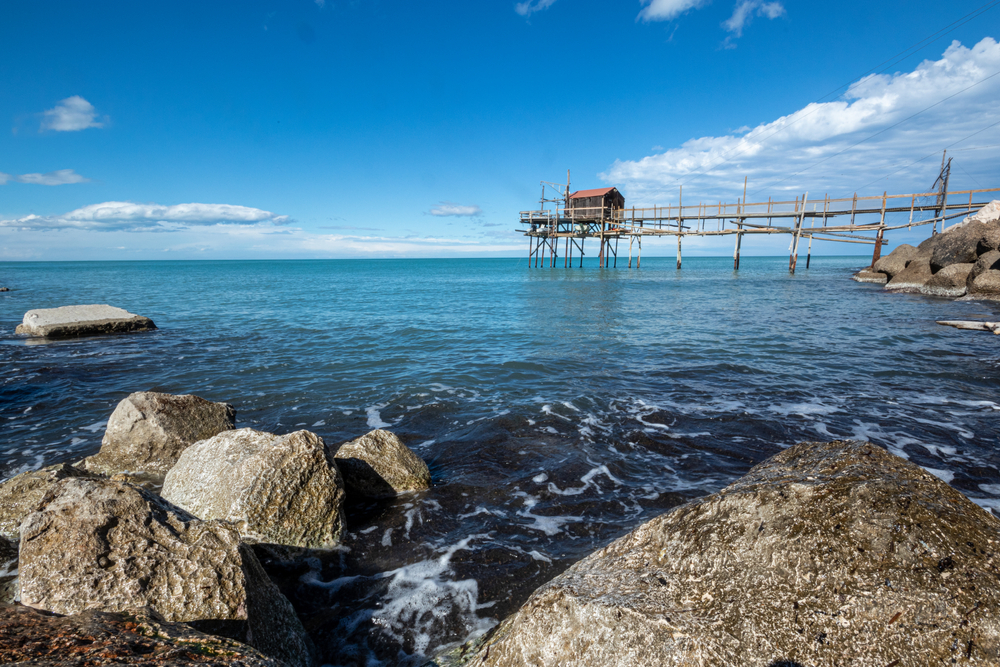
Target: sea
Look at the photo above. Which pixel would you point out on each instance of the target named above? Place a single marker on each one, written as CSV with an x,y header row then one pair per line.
x,y
557,408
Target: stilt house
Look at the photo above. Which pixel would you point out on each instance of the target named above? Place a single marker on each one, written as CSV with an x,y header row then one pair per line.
x,y
595,204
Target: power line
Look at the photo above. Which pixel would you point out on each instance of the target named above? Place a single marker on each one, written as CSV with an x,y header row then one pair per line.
x,y
736,151
882,131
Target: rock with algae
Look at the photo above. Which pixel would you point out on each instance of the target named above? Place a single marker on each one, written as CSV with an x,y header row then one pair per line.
x,y
826,554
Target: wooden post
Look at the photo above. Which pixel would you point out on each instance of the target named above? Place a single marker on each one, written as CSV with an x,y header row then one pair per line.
x,y
583,240
638,259
566,257
794,257
530,251
631,238
678,252
680,223
809,252
601,256
881,229
854,207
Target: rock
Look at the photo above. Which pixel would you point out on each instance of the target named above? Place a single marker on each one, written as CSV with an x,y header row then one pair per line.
x,y
987,214
912,278
148,431
138,637
4,289
826,554
275,489
949,281
896,261
958,245
986,285
20,495
379,465
8,570
990,240
72,321
105,545
866,276
988,260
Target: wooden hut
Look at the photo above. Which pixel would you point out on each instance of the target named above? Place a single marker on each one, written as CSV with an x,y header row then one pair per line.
x,y
597,204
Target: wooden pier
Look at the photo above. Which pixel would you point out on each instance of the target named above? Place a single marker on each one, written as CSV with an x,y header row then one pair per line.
x,y
591,214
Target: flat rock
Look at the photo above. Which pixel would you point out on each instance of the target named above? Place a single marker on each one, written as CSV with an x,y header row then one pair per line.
x,y
912,278
827,554
949,281
72,321
95,638
148,431
109,546
895,261
866,276
379,465
275,489
20,495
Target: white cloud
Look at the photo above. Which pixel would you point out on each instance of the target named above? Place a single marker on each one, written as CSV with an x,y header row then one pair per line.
x,y
58,177
446,208
529,7
830,147
744,12
71,114
127,216
664,10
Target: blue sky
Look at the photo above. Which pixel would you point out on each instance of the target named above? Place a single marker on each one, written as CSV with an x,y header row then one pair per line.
x,y
381,129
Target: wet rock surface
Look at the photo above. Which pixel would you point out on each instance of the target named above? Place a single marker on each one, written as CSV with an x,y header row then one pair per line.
x,y
949,281
276,489
148,431
20,495
93,638
865,276
826,554
89,320
379,465
100,544
913,277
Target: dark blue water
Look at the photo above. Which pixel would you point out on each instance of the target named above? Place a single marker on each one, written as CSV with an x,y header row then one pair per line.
x,y
557,408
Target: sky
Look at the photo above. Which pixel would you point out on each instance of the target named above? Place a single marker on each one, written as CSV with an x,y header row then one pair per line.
x,y
370,128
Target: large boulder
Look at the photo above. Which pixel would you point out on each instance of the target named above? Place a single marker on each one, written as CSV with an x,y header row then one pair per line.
x,y
72,321
958,245
987,261
20,495
986,285
138,637
826,554
148,431
379,465
949,281
867,276
275,489
110,546
895,261
913,277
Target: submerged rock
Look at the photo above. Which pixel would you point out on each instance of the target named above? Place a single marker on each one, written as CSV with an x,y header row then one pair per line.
x,y
826,554
105,545
379,465
866,276
895,261
277,489
20,495
913,277
949,281
72,321
148,431
138,637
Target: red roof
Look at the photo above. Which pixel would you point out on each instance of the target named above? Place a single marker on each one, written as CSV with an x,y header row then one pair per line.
x,y
599,192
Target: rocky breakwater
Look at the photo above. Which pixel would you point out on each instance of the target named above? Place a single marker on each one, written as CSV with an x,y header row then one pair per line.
x,y
181,567
963,261
826,554
89,320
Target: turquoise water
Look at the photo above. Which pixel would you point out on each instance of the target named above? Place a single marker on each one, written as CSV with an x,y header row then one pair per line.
x,y
557,408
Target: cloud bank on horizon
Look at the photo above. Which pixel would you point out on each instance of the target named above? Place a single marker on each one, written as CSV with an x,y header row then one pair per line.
x,y
130,217
882,126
